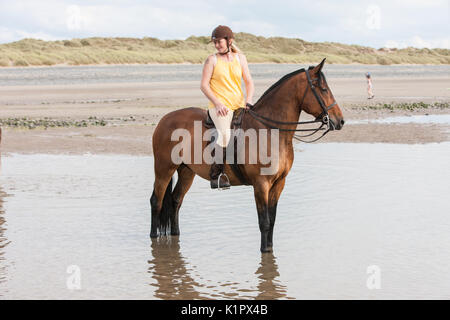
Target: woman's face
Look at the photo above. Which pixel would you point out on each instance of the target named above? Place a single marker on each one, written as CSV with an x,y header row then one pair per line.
x,y
221,45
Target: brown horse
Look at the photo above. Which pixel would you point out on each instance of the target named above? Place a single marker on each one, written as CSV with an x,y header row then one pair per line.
x,y
278,109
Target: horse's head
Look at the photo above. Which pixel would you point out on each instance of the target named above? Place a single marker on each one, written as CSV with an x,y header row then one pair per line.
x,y
318,99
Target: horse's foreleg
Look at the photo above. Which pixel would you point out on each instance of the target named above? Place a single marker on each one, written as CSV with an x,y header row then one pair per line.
x,y
261,191
185,179
274,195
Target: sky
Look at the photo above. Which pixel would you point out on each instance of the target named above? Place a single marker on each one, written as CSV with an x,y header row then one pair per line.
x,y
377,23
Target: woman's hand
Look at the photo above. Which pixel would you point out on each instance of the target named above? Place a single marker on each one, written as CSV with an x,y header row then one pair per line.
x,y
221,109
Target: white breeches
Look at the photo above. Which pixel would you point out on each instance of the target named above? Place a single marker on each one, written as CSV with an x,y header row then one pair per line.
x,y
223,124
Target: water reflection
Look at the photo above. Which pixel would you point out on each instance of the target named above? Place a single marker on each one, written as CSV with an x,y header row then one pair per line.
x,y
269,287
3,240
174,281
171,272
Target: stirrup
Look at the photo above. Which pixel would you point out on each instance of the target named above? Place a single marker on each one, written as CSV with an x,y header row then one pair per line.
x,y
227,183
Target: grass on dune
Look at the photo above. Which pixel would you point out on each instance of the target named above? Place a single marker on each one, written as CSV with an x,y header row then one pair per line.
x,y
32,52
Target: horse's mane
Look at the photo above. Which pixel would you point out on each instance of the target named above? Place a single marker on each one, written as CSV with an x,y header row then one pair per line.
x,y
279,82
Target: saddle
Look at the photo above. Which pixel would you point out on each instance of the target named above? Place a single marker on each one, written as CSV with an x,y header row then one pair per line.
x,y
236,123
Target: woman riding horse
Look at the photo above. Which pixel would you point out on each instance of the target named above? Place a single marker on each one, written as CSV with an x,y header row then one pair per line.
x,y
278,111
221,84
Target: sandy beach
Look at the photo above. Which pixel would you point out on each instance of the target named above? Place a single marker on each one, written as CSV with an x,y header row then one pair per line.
x,y
132,110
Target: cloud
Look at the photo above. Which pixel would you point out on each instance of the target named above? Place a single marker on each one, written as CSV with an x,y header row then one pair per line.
x,y
422,3
137,21
11,35
418,42
255,27
373,23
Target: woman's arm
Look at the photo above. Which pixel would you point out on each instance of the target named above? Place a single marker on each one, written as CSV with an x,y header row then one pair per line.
x,y
249,86
208,69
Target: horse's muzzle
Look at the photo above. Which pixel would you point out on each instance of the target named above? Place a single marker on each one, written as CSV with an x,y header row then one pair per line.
x,y
336,125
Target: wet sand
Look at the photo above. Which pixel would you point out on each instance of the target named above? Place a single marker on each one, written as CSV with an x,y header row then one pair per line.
x,y
132,111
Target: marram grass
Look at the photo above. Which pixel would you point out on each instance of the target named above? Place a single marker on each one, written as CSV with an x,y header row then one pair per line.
x,y
32,52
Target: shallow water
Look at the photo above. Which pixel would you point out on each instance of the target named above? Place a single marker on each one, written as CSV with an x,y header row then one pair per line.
x,y
345,207
421,119
157,73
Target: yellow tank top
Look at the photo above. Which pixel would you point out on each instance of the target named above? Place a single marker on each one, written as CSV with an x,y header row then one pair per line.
x,y
226,83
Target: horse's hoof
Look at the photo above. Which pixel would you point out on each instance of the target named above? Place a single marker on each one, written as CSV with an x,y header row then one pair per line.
x,y
175,233
153,235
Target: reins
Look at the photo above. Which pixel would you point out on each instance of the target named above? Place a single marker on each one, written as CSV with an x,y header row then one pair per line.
x,y
323,118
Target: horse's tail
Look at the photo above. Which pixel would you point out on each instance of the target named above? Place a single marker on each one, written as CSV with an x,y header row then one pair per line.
x,y
167,210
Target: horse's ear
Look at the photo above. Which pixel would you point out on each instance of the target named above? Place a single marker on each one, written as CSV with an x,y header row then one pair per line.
x,y
319,67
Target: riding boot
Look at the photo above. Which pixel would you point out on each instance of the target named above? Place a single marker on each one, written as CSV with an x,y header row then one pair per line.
x,y
219,180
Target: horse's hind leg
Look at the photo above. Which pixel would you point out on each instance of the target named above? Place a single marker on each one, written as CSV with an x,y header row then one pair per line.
x,y
185,179
161,196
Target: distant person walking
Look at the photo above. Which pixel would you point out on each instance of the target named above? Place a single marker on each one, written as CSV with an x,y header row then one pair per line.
x,y
369,86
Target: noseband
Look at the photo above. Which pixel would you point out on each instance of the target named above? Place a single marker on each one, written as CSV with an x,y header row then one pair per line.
x,y
323,118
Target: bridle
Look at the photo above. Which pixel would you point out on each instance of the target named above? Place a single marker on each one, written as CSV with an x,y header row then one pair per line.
x,y
323,118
